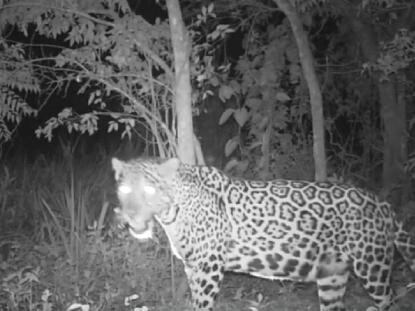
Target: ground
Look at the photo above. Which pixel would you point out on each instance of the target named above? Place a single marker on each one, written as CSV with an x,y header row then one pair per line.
x,y
34,277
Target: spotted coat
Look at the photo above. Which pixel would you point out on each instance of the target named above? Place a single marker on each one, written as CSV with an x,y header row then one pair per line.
x,y
297,230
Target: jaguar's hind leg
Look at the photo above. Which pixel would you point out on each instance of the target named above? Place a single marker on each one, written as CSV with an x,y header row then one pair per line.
x,y
332,277
375,278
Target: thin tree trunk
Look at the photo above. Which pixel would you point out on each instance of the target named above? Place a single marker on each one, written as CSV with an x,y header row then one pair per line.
x,y
182,87
182,100
316,99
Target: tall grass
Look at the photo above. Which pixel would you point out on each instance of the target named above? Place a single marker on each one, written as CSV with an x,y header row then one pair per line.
x,y
62,205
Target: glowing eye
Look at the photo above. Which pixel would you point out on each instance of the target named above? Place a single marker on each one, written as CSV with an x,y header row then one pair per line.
x,y
124,189
150,190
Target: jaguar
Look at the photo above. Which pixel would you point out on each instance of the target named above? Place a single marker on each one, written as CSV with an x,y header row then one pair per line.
x,y
282,229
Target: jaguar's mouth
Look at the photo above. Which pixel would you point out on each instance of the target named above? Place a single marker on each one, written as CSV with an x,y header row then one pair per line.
x,y
140,232
139,228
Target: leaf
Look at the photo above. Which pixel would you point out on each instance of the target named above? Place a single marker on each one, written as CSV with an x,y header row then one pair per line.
x,y
225,115
254,145
241,116
231,145
231,164
214,81
253,103
235,85
78,307
240,167
112,126
91,98
282,97
225,92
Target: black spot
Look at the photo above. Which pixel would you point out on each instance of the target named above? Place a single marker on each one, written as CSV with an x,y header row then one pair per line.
x,y
206,269
297,197
188,254
325,197
310,192
305,269
273,260
369,258
258,222
208,289
379,291
285,247
255,265
317,208
270,245
212,258
325,185
216,278
384,276
357,225
279,191
355,196
338,193
235,267
311,254
364,269
298,184
369,210
287,211
296,253
342,206
367,224
371,289
290,266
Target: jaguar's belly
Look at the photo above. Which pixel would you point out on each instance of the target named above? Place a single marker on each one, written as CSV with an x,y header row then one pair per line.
x,y
273,260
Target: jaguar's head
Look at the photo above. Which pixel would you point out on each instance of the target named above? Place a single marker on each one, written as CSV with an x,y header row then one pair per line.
x,y
143,192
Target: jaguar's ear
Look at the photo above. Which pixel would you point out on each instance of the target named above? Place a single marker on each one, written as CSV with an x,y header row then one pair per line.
x,y
117,166
169,168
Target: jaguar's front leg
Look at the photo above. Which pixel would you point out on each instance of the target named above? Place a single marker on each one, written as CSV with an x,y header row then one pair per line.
x,y
204,281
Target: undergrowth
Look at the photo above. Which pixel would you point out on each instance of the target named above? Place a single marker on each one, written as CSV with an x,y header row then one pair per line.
x,y
60,250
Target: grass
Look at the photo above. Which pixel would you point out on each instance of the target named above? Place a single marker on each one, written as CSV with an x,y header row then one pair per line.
x,y
59,249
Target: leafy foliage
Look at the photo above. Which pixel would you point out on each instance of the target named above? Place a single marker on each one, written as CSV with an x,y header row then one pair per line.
x,y
16,81
274,101
122,58
118,59
67,250
397,54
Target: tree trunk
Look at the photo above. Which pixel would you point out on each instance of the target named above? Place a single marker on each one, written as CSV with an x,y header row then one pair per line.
x,y
183,102
182,87
392,112
316,99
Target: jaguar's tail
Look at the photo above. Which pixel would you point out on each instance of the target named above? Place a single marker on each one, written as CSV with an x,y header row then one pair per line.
x,y
405,245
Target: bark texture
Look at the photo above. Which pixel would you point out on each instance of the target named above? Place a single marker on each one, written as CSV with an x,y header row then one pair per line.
x,y
316,99
182,87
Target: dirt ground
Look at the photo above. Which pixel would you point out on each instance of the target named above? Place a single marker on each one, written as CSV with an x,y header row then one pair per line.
x,y
242,292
